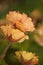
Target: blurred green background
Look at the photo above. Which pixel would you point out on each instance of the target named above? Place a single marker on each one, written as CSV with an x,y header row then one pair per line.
x,y
26,6
20,5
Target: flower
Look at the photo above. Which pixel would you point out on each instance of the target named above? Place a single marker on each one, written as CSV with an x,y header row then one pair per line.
x,y
27,58
13,34
21,21
39,36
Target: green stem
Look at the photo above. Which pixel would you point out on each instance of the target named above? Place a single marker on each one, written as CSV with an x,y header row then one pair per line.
x,y
2,56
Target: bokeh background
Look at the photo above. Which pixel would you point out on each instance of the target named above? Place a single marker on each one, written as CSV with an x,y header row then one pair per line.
x,y
26,6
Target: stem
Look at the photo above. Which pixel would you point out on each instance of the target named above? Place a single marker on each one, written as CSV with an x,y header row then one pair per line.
x,y
2,56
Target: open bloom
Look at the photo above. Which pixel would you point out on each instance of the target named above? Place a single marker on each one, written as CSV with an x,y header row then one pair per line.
x,y
27,58
13,34
21,21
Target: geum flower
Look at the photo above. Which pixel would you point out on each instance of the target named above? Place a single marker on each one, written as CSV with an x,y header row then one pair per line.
x,y
39,36
13,34
27,58
21,21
